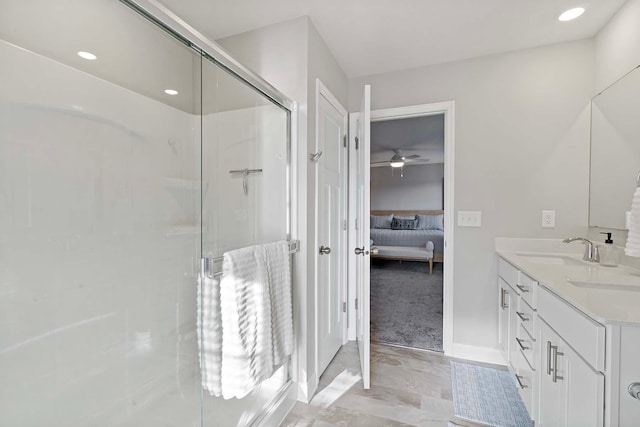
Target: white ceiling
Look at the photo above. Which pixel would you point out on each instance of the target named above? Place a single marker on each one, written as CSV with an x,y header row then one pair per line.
x,y
375,36
418,135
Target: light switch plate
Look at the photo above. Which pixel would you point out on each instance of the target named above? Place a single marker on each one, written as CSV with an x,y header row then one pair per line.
x,y
469,218
548,219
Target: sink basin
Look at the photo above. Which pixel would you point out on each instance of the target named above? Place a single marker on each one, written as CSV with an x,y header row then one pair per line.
x,y
550,259
606,286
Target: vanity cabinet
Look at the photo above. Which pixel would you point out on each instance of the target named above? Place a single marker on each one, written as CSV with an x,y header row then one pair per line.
x,y
516,329
571,392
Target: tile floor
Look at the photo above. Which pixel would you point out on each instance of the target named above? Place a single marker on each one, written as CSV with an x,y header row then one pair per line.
x,y
408,388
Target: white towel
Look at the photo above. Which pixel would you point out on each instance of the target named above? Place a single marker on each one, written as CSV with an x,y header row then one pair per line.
x,y
279,273
245,319
246,322
210,333
632,247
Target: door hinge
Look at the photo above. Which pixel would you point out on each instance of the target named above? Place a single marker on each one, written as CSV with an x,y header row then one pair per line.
x,y
356,303
357,142
356,224
344,225
344,307
344,141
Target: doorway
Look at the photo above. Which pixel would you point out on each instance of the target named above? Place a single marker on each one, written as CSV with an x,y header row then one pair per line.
x,y
407,231
359,283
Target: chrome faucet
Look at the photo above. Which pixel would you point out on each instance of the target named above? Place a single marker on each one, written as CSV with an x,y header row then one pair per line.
x,y
591,252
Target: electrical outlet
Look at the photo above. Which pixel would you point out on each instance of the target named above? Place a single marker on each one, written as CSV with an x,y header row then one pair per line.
x,y
469,218
548,219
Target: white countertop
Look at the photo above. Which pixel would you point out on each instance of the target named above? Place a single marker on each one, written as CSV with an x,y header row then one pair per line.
x,y
619,302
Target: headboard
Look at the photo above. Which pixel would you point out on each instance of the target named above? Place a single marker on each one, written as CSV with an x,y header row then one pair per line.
x,y
406,213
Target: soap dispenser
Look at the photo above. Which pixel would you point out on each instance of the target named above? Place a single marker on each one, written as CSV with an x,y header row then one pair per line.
x,y
608,252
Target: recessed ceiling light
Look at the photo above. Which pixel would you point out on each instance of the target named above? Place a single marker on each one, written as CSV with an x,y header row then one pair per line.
x,y
171,91
571,14
87,55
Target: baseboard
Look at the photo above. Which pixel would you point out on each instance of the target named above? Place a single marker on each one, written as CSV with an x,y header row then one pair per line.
x,y
280,408
478,354
307,389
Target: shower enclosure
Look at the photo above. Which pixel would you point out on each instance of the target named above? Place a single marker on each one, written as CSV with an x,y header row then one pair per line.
x,y
118,135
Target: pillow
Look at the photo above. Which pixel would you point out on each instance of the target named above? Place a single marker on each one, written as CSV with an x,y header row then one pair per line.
x,y
381,221
404,224
406,217
430,222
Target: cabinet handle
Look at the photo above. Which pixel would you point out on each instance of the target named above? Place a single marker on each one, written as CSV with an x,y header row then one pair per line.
x,y
503,303
519,379
524,289
520,344
522,316
549,370
556,353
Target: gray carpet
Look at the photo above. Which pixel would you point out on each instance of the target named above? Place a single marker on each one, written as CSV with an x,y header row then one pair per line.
x,y
406,304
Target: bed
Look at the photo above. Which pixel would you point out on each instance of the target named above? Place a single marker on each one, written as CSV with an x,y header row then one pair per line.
x,y
391,239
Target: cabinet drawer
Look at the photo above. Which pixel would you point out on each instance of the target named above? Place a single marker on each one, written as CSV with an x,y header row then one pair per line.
x,y
528,288
524,378
526,344
508,272
527,317
581,332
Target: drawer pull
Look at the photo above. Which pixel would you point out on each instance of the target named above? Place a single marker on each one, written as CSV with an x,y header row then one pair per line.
x,y
519,379
549,370
522,346
503,301
522,316
524,289
556,353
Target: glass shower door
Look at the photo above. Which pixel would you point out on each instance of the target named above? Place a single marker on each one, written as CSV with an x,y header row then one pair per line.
x,y
244,201
99,218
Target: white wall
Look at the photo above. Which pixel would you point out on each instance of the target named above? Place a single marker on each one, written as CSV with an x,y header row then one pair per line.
x,y
617,45
419,189
291,55
522,135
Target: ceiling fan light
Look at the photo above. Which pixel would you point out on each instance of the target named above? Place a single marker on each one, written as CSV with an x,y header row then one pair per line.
x,y
397,164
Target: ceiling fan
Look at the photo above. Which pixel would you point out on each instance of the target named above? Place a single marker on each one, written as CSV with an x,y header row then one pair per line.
x,y
398,160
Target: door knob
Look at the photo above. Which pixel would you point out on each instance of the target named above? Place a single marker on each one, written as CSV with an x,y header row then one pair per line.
x,y
325,250
360,251
634,390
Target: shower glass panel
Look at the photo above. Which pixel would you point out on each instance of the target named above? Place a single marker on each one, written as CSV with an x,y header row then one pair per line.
x,y
99,218
241,129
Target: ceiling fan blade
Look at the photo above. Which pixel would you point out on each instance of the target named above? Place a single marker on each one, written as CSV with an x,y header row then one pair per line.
x,y
417,160
411,157
377,163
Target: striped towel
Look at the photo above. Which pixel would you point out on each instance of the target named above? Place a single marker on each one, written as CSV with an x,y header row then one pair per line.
x,y
632,247
245,319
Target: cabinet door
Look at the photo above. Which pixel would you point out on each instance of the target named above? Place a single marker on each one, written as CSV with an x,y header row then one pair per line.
x,y
551,395
576,397
503,317
584,391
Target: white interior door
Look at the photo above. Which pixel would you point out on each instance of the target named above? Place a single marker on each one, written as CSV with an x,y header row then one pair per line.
x,y
361,252
331,170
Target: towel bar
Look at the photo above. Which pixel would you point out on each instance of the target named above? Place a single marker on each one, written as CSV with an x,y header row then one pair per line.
x,y
213,266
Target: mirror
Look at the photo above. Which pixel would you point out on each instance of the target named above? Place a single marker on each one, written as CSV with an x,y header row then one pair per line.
x,y
615,151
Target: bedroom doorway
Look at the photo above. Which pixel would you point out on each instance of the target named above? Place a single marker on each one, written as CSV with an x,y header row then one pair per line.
x,y
411,284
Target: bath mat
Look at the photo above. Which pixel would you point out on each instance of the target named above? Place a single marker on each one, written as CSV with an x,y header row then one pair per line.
x,y
488,396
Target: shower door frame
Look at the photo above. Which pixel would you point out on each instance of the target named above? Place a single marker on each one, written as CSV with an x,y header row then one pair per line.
x,y
162,17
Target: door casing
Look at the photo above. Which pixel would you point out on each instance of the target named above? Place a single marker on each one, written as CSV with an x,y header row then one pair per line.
x,y
448,109
323,91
